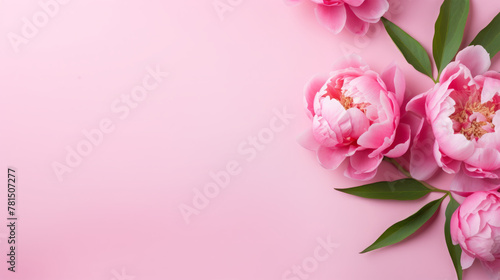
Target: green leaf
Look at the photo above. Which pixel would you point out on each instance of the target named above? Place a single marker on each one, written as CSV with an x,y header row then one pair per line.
x,y
455,250
411,49
404,189
449,31
489,37
402,229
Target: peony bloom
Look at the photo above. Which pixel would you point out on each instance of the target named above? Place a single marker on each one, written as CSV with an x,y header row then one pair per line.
x,y
476,227
355,15
460,119
355,114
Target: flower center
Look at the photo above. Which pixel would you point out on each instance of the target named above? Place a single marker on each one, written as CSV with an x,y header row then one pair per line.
x,y
346,101
472,118
335,90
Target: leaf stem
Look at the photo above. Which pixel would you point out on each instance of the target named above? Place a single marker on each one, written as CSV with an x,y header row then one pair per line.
x,y
407,174
398,166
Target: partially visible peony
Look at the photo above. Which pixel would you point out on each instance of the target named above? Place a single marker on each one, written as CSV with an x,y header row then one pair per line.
x,y
476,227
461,120
355,114
355,15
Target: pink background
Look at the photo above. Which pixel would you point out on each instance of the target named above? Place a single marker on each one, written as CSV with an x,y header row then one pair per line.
x,y
117,213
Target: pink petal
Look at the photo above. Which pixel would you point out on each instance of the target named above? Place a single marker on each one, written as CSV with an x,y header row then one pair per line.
x,y
354,3
448,164
372,10
307,140
456,146
437,100
476,58
450,70
422,162
417,105
395,82
466,260
332,111
475,172
324,133
354,24
491,87
492,74
481,246
332,17
359,122
473,202
413,121
329,2
493,269
491,217
366,86
356,175
311,89
374,137
485,158
495,137
464,185
362,163
346,125
454,227
401,142
331,158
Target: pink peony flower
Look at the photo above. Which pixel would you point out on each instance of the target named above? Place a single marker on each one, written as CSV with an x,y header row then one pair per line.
x,y
355,114
476,227
355,15
459,118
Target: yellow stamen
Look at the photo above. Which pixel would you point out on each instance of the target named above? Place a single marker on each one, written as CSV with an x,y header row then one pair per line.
x,y
346,101
475,128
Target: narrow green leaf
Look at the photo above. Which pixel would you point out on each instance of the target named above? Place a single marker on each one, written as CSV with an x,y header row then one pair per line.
x,y
489,37
404,189
411,49
449,31
455,250
402,229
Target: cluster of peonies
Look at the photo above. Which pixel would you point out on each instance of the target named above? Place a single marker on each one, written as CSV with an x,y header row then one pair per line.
x,y
357,117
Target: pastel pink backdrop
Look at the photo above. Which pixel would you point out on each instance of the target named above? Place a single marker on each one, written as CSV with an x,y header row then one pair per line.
x,y
118,213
